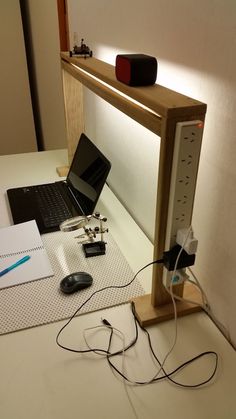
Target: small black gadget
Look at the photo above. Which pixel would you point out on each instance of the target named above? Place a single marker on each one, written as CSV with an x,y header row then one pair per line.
x,y
136,69
75,282
52,203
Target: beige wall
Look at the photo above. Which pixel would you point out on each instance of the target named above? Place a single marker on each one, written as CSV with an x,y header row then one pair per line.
x,y
16,118
46,59
195,45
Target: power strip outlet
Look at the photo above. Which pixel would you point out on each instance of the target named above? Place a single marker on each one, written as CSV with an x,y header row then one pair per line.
x,y
179,277
188,140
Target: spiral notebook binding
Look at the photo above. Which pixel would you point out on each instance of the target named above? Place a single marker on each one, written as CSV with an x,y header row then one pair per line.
x,y
34,249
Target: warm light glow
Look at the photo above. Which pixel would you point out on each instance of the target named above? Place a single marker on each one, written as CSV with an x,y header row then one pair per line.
x,y
117,91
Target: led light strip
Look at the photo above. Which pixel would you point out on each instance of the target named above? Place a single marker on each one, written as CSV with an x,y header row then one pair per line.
x,y
116,91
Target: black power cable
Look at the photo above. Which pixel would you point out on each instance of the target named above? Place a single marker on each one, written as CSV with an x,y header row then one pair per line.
x,y
165,374
109,355
91,296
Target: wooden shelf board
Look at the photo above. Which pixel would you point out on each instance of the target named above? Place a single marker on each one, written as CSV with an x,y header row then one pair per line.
x,y
146,118
165,102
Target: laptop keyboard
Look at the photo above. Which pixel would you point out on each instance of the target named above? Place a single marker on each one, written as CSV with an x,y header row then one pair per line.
x,y
52,206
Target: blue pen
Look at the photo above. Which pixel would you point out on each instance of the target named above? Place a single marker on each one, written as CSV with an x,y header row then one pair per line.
x,y
19,262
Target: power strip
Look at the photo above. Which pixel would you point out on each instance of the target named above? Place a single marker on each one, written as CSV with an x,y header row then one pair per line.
x,y
188,139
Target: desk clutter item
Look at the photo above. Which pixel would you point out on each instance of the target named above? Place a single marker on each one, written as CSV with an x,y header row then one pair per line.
x,y
17,243
82,50
41,302
75,282
91,247
51,203
136,69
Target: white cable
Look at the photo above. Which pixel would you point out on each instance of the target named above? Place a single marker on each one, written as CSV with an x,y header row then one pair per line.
x,y
170,291
197,283
123,369
208,310
123,366
186,300
173,296
204,305
105,327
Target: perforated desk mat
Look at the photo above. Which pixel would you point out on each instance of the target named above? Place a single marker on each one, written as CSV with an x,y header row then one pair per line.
x,y
41,302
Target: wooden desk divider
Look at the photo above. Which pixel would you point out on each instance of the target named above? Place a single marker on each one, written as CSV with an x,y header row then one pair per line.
x,y
158,109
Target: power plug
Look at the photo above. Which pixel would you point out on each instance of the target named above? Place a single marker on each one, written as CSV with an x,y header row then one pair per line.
x,y
186,239
176,278
177,258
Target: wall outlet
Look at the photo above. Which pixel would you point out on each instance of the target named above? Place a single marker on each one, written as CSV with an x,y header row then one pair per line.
x,y
188,139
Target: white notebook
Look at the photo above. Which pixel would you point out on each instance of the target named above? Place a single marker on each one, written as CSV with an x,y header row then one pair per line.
x,y
16,242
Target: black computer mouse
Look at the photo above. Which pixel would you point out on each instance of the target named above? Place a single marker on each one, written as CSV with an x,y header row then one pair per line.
x,y
75,282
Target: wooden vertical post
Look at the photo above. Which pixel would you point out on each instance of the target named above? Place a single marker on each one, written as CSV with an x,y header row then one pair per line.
x,y
159,293
74,111
158,306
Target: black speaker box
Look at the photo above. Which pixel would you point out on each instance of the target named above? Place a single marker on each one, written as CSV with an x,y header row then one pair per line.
x,y
136,69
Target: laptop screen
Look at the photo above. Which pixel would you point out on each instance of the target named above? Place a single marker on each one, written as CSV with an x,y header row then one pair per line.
x,y
87,178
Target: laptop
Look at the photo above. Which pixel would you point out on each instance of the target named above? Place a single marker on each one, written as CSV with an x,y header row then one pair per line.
x,y
50,204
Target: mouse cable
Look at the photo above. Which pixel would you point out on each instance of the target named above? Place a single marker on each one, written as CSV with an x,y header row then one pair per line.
x,y
161,365
89,298
165,375
133,342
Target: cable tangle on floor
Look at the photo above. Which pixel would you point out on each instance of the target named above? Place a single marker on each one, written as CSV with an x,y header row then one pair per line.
x,y
162,373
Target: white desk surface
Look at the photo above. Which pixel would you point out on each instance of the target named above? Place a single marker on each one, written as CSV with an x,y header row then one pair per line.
x,y
41,381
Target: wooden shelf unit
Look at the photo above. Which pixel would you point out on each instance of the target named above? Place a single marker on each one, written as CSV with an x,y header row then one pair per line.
x,y
158,109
